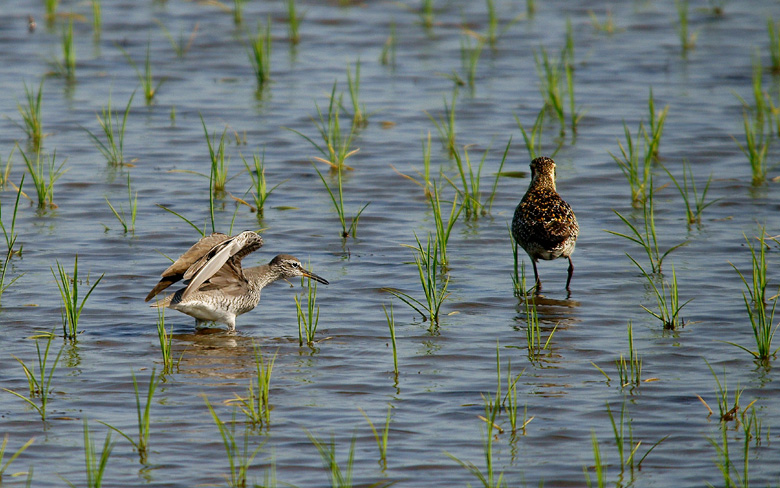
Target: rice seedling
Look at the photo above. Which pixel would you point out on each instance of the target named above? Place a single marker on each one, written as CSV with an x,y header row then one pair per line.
x,y
470,52
551,78
426,14
338,204
530,8
511,406
338,478
143,415
533,332
533,139
259,189
294,22
114,131
574,114
239,457
309,318
755,148
127,222
387,57
147,80
638,176
44,172
10,232
727,409
381,440
647,237
493,32
97,19
667,297
445,125
427,261
761,320
687,38
166,343
607,26
773,29
4,466
69,292
68,67
40,385
601,471
443,229
182,45
337,147
95,464
470,182
489,478
694,202
5,174
256,405
391,325
629,371
653,137
51,8
219,164
31,116
359,114
624,442
260,53
238,11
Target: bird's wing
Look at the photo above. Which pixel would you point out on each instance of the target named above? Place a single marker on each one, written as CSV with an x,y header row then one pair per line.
x,y
230,251
176,271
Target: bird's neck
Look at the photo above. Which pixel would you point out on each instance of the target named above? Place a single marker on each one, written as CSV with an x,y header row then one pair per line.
x,y
543,182
261,276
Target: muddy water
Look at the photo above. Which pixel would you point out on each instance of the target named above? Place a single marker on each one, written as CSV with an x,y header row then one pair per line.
x,y
437,397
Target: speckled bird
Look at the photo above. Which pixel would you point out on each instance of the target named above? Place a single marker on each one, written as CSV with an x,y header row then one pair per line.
x,y
544,224
218,288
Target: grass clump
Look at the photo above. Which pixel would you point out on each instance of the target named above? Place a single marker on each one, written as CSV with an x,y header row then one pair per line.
x,y
40,385
427,260
338,203
68,66
470,179
69,292
95,464
391,325
533,138
470,52
309,318
773,29
551,78
443,229
256,404
4,466
259,189
127,222
533,333
239,456
668,298
31,116
761,319
387,56
148,86
181,46
445,125
381,440
294,20
260,54
359,114
144,419
166,343
44,172
114,131
694,202
687,38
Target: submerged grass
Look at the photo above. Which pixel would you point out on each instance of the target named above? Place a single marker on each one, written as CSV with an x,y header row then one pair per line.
x,y
148,86
381,440
294,20
667,297
773,30
445,125
387,57
69,292
338,203
95,464
259,189
68,66
4,466
533,332
40,385
114,131
687,38
470,179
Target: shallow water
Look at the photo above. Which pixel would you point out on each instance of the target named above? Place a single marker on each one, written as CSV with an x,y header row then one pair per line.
x,y
437,397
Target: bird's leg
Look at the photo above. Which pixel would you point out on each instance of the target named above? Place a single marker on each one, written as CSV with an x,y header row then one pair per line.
x,y
536,277
571,272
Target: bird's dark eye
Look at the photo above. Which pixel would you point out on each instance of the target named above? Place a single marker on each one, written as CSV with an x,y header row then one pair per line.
x,y
295,265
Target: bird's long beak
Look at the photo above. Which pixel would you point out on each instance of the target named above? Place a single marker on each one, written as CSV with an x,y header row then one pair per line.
x,y
313,276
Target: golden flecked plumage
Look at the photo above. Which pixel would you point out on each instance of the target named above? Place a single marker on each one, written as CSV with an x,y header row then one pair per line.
x,y
544,225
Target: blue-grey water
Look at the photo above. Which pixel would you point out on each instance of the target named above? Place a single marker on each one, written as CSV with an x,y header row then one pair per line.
x,y
444,373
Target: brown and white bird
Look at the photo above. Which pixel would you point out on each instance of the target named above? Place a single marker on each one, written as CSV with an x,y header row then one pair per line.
x,y
218,288
544,224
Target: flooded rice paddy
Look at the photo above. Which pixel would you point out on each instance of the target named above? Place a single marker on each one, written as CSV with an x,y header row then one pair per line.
x,y
408,75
